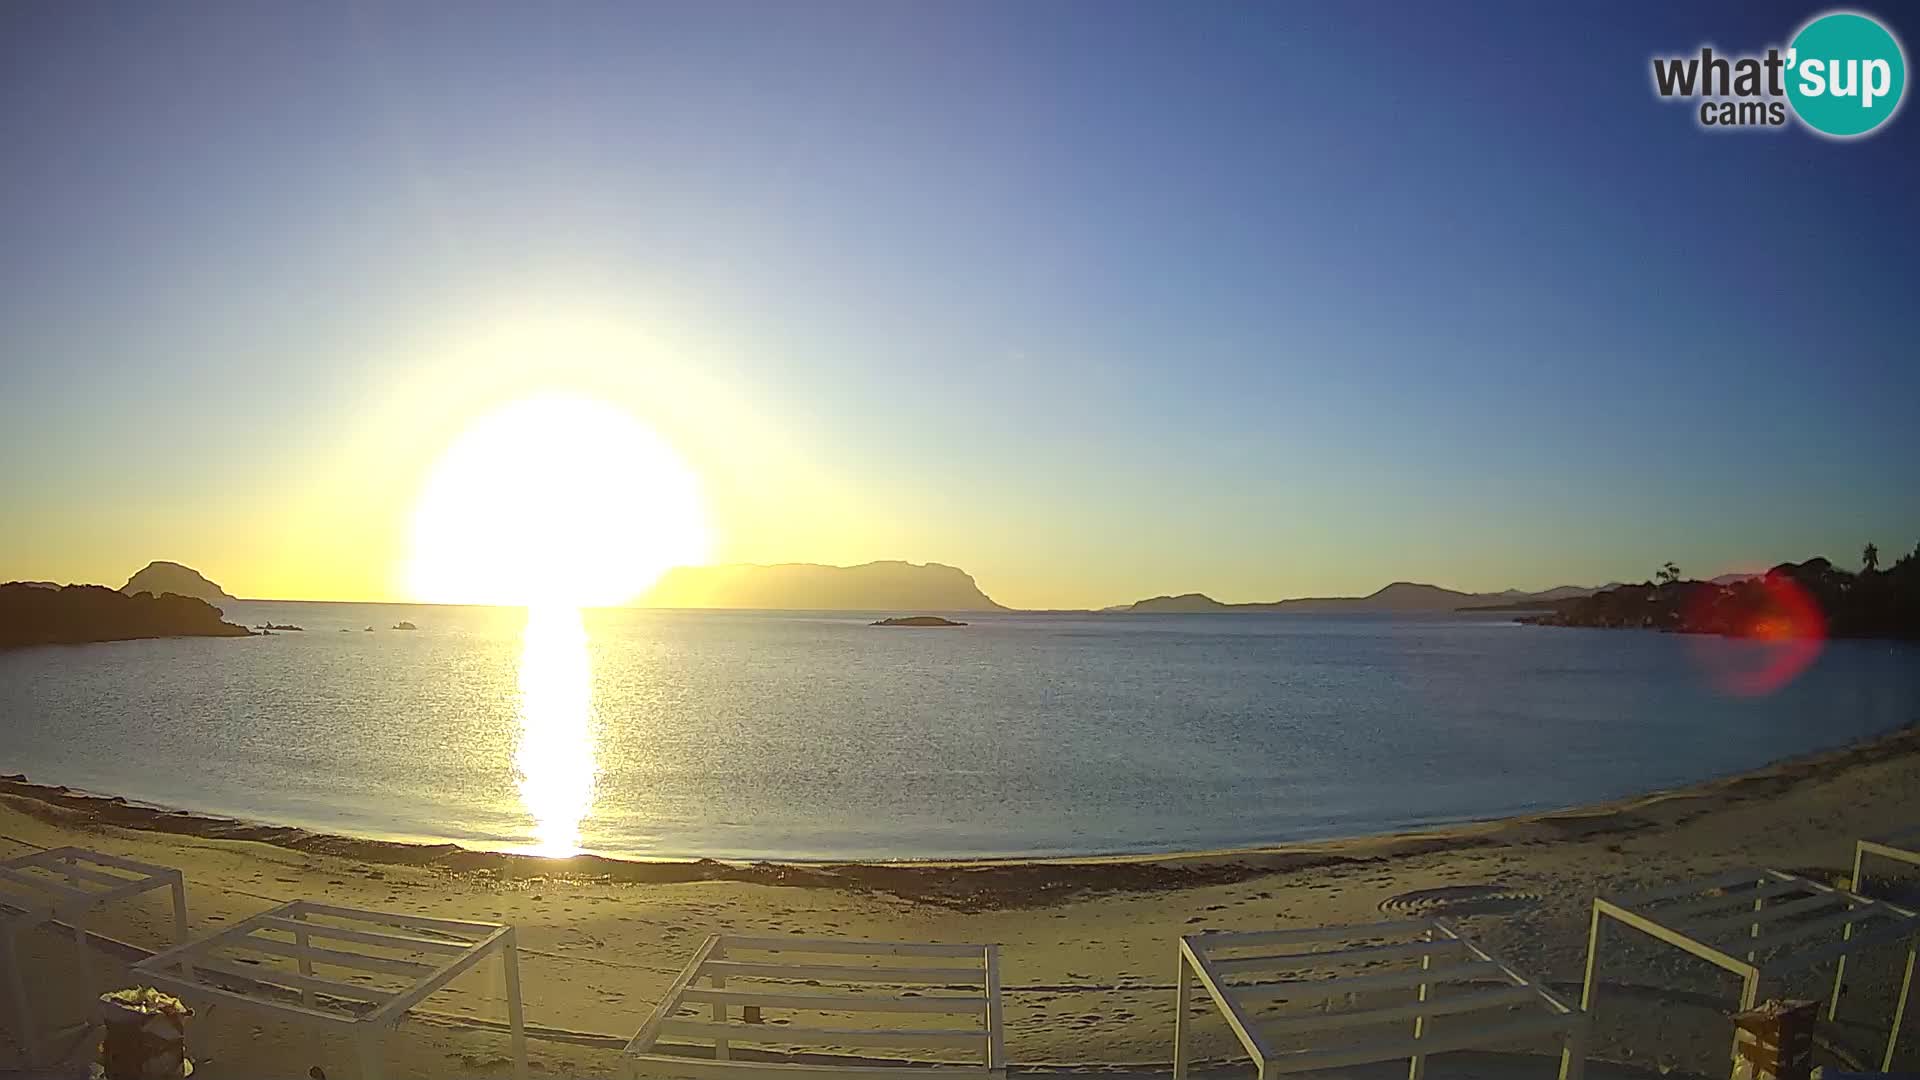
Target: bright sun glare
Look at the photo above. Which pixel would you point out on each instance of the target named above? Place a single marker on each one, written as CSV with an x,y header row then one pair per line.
x,y
556,500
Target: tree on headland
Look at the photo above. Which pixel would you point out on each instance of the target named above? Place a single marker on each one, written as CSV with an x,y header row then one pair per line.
x,y
1870,558
1806,599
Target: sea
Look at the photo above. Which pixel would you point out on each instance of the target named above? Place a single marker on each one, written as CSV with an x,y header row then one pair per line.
x,y
816,736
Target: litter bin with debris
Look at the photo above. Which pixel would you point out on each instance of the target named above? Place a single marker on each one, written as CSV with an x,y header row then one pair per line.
x,y
1774,1041
146,1036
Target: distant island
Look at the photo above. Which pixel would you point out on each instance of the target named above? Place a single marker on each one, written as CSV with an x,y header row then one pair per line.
x,y
31,614
874,586
1807,599
1401,596
916,620
160,578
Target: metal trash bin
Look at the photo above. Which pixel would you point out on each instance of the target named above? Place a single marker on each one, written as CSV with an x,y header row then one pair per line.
x,y
146,1036
1774,1041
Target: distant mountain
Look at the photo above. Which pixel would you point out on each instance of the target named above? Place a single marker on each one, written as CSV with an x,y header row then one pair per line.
x,y
30,615
1401,596
1728,579
160,578
1569,592
1185,604
1545,600
874,586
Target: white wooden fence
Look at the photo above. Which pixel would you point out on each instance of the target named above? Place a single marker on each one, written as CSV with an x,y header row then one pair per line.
x,y
379,965
1485,1002
1761,925
64,886
950,993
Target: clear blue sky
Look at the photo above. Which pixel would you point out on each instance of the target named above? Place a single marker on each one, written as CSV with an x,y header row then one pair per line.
x,y
1096,300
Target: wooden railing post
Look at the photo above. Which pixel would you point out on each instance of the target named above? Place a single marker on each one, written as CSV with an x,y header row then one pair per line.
x,y
720,1048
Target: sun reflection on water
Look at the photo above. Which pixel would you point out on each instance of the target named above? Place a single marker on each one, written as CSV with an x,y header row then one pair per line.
x,y
554,761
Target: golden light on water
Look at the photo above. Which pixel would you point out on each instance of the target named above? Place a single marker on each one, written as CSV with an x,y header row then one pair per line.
x,y
556,502
554,761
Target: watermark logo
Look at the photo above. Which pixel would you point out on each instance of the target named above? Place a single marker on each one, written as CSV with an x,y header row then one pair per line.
x,y
1849,74
1843,75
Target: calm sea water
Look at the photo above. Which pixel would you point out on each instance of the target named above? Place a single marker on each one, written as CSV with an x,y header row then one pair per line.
x,y
794,735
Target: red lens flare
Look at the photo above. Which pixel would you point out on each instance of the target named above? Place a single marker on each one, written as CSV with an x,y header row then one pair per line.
x,y
1774,630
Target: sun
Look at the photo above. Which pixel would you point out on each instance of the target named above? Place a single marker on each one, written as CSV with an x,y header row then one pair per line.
x,y
554,500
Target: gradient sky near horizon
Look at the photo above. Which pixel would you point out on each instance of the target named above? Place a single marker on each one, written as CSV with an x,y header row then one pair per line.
x,y
1094,300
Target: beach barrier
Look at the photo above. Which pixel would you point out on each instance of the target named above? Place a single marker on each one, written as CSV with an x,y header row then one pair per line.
x,y
1292,973
1761,925
415,954
64,886
1901,847
746,976
1769,915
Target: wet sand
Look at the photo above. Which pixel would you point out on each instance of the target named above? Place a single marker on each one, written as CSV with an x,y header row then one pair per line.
x,y
1087,944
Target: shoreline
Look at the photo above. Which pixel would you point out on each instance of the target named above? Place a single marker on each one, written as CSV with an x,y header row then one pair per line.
x,y
985,884
1087,944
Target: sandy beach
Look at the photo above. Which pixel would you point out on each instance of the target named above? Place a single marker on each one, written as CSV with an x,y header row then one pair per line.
x,y
1087,944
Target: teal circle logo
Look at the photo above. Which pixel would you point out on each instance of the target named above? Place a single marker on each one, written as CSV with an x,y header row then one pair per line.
x,y
1845,74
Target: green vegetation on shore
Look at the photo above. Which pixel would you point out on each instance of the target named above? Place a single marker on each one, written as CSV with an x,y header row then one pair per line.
x,y
1812,598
